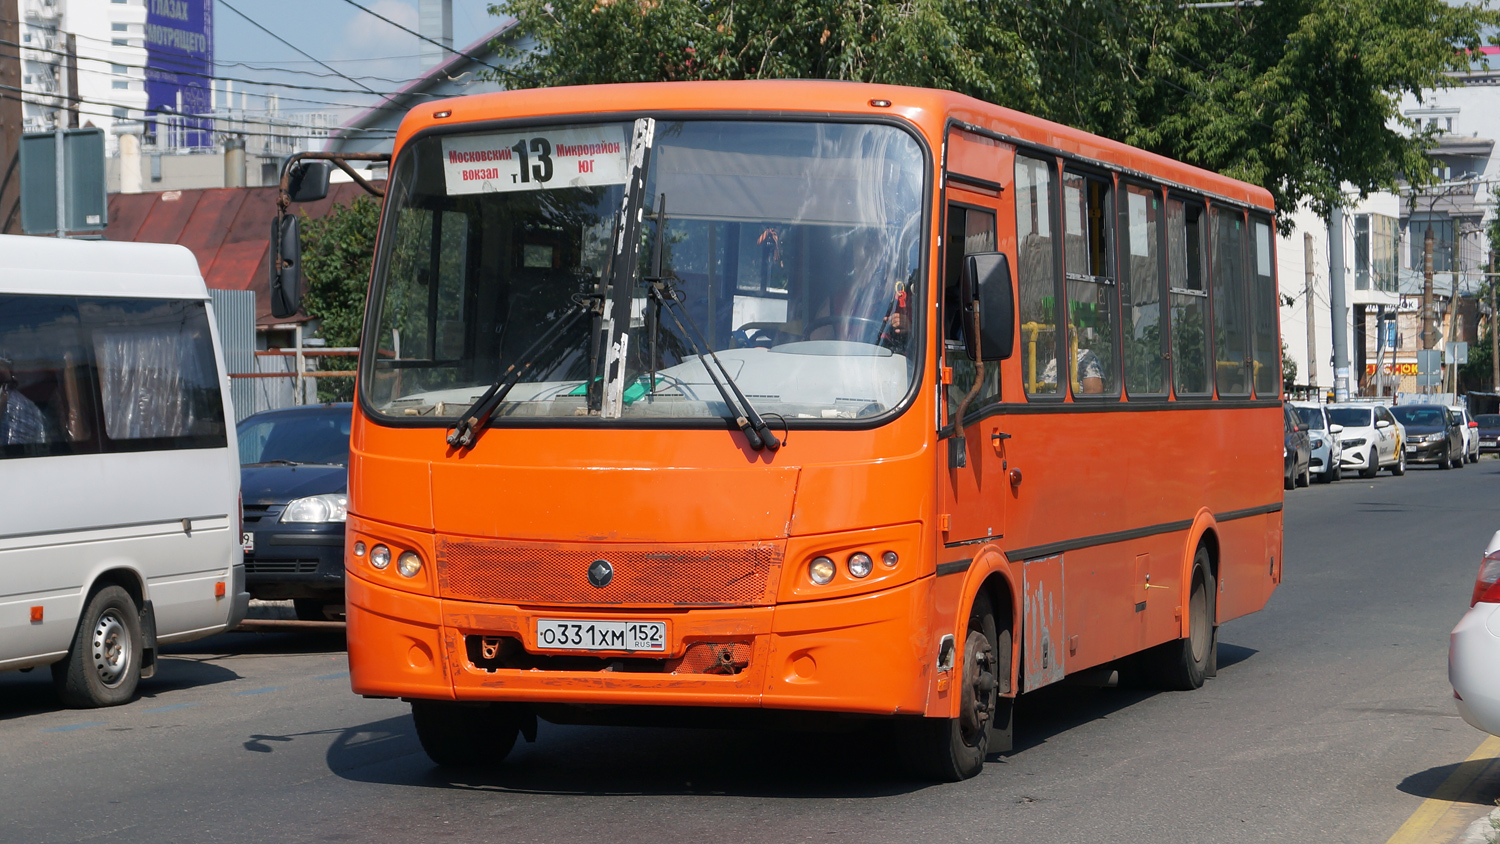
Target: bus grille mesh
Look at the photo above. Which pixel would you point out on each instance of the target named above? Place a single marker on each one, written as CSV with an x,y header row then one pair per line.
x,y
510,571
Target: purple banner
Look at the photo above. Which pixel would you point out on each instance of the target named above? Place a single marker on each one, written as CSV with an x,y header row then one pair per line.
x,y
179,61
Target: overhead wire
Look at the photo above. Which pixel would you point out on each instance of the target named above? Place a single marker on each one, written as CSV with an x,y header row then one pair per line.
x,y
254,23
65,103
289,85
419,35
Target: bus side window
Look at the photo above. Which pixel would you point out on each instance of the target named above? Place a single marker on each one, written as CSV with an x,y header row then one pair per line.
x,y
1037,286
1089,262
1229,302
158,381
1141,320
46,394
1263,295
1189,297
969,230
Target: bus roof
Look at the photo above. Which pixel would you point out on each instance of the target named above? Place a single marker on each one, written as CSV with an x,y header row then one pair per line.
x,y
98,268
928,108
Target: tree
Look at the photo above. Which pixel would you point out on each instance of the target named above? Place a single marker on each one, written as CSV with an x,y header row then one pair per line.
x,y
1299,96
1288,369
336,254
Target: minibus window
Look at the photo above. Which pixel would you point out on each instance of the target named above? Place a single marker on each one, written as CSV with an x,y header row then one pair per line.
x,y
158,384
45,389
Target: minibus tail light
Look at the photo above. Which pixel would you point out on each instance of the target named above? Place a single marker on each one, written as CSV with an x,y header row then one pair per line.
x,y
1485,590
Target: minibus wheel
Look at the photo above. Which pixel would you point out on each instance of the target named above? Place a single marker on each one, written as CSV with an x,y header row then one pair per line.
x,y
953,749
465,735
103,665
1182,664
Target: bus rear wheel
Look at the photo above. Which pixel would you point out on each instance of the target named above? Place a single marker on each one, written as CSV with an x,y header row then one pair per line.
x,y
1183,664
953,749
465,735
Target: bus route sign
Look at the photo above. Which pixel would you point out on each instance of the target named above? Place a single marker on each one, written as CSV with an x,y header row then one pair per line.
x,y
538,159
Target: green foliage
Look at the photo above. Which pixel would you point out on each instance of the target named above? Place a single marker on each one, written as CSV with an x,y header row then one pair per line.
x,y
1288,369
336,255
1298,96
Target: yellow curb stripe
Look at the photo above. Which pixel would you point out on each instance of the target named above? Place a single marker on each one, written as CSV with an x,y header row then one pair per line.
x,y
1421,824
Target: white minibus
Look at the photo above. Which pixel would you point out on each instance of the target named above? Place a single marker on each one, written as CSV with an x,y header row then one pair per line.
x,y
119,482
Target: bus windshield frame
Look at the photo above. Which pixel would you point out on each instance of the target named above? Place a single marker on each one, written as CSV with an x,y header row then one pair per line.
x,y
833,356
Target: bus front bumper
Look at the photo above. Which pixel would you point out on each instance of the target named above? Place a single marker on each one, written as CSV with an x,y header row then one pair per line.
x,y
857,654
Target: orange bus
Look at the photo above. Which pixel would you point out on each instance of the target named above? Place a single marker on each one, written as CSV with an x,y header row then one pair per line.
x,y
800,397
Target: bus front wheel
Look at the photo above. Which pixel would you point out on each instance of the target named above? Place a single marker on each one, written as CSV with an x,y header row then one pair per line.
x,y
953,749
465,735
1182,664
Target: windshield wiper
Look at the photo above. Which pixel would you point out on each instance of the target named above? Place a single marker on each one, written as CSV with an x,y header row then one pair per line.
x,y
664,295
466,430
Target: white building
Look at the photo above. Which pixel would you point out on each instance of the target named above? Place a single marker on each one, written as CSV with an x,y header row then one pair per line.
x,y
1384,250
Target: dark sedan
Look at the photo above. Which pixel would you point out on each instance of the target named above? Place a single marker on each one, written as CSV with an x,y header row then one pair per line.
x,y
1431,436
1489,433
294,477
1297,450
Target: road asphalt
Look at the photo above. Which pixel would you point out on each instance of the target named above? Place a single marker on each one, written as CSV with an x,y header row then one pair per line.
x,y
1331,719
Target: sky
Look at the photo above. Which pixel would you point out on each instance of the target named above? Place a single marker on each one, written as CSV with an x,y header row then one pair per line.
x,y
351,41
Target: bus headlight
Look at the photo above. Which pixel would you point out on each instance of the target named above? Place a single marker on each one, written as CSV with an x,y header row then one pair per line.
x,y
860,564
889,559
408,564
380,557
821,571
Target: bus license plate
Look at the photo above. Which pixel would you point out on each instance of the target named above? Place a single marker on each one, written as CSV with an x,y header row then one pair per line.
x,y
587,635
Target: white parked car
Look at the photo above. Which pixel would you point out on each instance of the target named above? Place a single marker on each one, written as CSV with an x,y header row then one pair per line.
x,y
1469,428
1372,439
1327,453
119,477
1474,648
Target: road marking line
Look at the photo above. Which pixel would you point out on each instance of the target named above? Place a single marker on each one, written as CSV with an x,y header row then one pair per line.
x,y
1431,814
71,727
168,707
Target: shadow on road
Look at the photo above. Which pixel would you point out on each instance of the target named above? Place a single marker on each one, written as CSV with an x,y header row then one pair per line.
x,y
569,760
1478,783
319,640
30,693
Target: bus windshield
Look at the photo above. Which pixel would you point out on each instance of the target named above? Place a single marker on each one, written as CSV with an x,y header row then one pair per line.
x,y
795,248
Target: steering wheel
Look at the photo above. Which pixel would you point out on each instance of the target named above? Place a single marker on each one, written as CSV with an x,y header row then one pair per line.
x,y
869,332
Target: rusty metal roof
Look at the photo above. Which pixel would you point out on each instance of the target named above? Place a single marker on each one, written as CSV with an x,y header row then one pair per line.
x,y
227,229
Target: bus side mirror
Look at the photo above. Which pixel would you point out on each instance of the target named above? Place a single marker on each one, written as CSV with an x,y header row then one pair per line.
x,y
286,266
309,181
987,286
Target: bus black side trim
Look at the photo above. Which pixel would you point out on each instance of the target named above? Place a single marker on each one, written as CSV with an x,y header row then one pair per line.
x,y
954,567
1052,549
1231,515
962,542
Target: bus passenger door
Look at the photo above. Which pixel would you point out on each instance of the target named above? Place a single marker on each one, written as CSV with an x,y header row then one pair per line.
x,y
974,486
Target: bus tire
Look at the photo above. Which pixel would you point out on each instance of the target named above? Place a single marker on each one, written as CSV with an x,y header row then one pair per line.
x,y
1182,665
953,749
103,665
465,735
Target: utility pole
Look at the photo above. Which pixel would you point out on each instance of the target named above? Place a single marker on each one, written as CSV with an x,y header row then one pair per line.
x,y
11,116
1312,334
71,60
1336,304
1427,302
